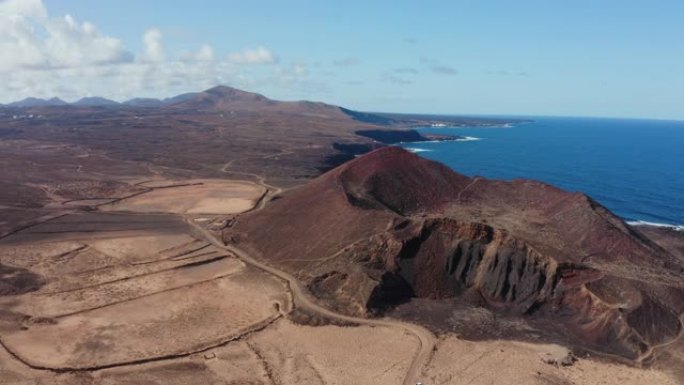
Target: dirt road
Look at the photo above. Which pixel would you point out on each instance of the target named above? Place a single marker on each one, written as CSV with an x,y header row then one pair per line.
x,y
303,300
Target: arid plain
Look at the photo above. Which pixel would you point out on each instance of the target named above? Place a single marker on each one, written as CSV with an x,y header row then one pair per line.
x,y
114,270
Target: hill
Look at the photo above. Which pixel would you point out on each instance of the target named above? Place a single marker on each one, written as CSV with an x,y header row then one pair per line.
x,y
37,102
228,99
94,101
389,227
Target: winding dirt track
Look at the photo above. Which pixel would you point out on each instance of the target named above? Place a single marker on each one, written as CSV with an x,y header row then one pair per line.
x,y
652,349
300,296
304,300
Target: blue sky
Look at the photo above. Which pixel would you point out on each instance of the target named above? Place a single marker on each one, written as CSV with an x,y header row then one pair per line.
x,y
586,58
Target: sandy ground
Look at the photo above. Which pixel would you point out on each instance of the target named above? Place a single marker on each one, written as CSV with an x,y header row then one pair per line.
x,y
142,294
197,197
174,322
283,353
109,299
516,363
334,355
61,303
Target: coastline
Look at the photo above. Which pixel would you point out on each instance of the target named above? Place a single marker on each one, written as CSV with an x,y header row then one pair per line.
x,y
561,152
664,226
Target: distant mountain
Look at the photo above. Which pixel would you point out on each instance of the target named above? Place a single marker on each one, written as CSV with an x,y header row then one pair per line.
x,y
94,101
36,102
179,98
228,99
143,102
222,99
368,117
218,98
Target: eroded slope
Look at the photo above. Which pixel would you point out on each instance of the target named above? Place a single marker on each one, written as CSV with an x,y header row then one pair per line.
x,y
391,226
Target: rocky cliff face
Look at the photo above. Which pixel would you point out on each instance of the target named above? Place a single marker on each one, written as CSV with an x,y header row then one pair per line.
x,y
390,226
444,258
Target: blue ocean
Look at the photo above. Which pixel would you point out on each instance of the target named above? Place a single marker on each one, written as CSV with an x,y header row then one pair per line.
x,y
633,167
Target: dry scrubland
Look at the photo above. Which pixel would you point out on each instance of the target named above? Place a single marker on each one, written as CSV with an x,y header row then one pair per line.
x,y
137,299
134,298
102,280
109,300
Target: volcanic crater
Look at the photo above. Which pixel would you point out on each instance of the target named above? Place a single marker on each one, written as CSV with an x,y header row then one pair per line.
x,y
390,227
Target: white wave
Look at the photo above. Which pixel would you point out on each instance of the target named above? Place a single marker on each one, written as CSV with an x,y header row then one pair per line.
x,y
467,139
416,149
458,139
655,224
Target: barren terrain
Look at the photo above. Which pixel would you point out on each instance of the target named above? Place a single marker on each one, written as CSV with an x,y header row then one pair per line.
x,y
114,269
193,197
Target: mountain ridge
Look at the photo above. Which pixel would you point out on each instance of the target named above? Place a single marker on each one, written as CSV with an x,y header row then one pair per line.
x,y
219,98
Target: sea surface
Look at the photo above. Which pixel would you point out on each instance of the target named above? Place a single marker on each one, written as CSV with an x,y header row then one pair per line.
x,y
633,167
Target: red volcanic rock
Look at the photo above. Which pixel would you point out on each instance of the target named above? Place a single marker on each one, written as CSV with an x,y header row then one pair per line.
x,y
389,226
403,184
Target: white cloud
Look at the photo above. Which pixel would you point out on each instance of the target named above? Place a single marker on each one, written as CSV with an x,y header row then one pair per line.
x,y
154,46
205,53
45,55
25,8
260,55
29,38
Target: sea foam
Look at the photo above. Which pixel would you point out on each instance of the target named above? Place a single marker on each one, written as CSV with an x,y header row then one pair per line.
x,y
467,139
459,139
655,224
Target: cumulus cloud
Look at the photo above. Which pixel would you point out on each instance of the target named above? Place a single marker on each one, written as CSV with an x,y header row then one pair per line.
x,y
260,55
25,8
205,53
154,45
46,55
30,39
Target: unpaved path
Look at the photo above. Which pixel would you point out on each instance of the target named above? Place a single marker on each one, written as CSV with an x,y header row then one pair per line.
x,y
300,296
652,349
304,300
